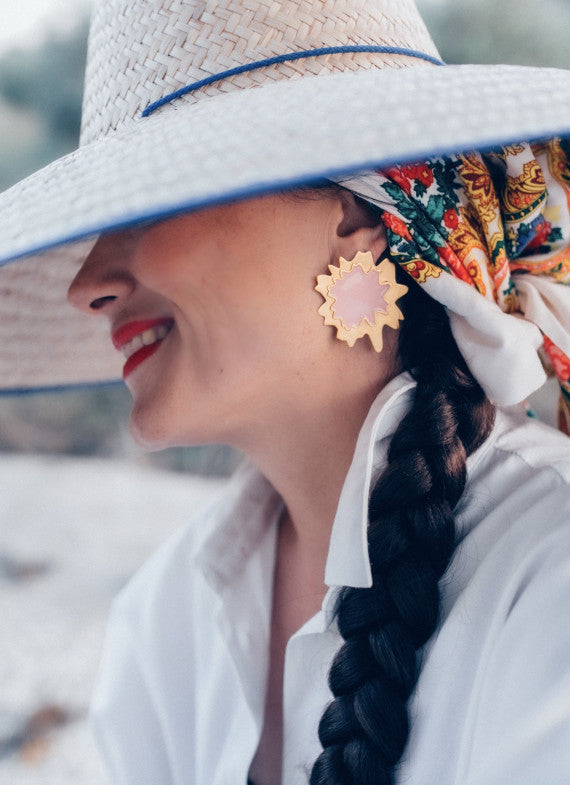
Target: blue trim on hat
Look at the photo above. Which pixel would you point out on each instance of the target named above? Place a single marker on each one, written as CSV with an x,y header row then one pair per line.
x,y
324,50
261,188
258,189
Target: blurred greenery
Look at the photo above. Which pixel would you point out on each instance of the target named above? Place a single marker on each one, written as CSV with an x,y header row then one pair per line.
x,y
527,32
41,88
40,100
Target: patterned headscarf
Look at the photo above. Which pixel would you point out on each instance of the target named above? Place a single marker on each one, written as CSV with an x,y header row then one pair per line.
x,y
488,235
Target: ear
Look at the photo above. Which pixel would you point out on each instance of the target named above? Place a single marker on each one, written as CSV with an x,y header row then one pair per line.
x,y
358,229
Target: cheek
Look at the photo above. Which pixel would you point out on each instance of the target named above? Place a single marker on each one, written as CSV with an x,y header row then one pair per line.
x,y
195,267
162,273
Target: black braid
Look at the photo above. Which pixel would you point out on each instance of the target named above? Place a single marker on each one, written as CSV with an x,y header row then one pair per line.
x,y
411,539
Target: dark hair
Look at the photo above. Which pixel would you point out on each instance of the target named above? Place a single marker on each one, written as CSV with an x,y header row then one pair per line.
x,y
411,537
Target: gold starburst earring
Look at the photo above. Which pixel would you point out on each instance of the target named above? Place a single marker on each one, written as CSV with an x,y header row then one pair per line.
x,y
360,298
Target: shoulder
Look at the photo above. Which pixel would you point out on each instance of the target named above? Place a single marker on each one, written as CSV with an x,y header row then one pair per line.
x,y
168,575
186,573
147,684
513,521
504,639
537,445
523,470
153,618
513,611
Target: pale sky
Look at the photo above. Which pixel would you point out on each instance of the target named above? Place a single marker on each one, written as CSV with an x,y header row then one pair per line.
x,y
25,21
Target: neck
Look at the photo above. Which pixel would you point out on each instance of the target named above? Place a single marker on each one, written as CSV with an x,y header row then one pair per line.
x,y
306,454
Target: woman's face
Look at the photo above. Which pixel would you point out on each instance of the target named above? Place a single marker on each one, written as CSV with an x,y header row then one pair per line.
x,y
223,301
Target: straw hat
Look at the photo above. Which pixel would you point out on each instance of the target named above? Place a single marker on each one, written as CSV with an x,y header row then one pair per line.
x,y
193,103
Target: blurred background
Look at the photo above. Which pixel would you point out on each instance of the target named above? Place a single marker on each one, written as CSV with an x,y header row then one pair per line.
x,y
82,506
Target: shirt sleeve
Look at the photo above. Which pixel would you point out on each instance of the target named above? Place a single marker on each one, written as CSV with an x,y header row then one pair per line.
x,y
522,730
123,714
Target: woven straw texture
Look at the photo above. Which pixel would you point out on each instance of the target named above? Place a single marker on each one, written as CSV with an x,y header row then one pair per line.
x,y
228,141
36,337
140,51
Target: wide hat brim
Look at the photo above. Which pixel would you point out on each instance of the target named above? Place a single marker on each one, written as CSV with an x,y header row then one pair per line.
x,y
226,147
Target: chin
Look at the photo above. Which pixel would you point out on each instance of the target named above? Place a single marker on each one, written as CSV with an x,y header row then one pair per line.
x,y
147,440
150,431
154,432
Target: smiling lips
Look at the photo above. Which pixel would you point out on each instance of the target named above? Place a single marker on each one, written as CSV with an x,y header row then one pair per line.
x,y
139,340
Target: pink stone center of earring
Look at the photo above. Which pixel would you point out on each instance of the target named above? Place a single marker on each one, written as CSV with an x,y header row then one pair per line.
x,y
357,296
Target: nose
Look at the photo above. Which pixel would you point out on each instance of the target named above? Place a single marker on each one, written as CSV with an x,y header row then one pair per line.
x,y
103,279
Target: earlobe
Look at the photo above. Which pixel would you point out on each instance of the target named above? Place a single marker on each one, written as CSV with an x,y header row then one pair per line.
x,y
359,229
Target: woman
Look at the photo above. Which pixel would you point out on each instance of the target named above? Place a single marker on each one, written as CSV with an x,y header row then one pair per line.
x,y
357,328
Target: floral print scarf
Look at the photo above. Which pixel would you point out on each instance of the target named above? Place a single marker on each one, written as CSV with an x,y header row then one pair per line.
x,y
488,235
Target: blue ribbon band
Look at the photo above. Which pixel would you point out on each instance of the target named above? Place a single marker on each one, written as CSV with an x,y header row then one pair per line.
x,y
325,50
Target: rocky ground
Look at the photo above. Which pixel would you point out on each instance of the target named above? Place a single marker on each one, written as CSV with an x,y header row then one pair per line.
x,y
71,534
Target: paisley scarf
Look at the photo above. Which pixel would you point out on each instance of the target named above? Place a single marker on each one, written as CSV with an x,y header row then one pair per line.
x,y
488,235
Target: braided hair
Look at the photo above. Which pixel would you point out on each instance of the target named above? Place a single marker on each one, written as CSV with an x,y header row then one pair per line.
x,y
411,538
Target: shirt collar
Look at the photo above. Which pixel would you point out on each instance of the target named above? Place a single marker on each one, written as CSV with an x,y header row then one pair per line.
x,y
348,563
238,523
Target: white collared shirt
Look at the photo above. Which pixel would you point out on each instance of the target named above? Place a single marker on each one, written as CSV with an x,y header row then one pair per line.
x,y
181,693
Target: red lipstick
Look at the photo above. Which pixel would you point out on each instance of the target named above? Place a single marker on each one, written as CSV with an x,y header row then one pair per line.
x,y
139,340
